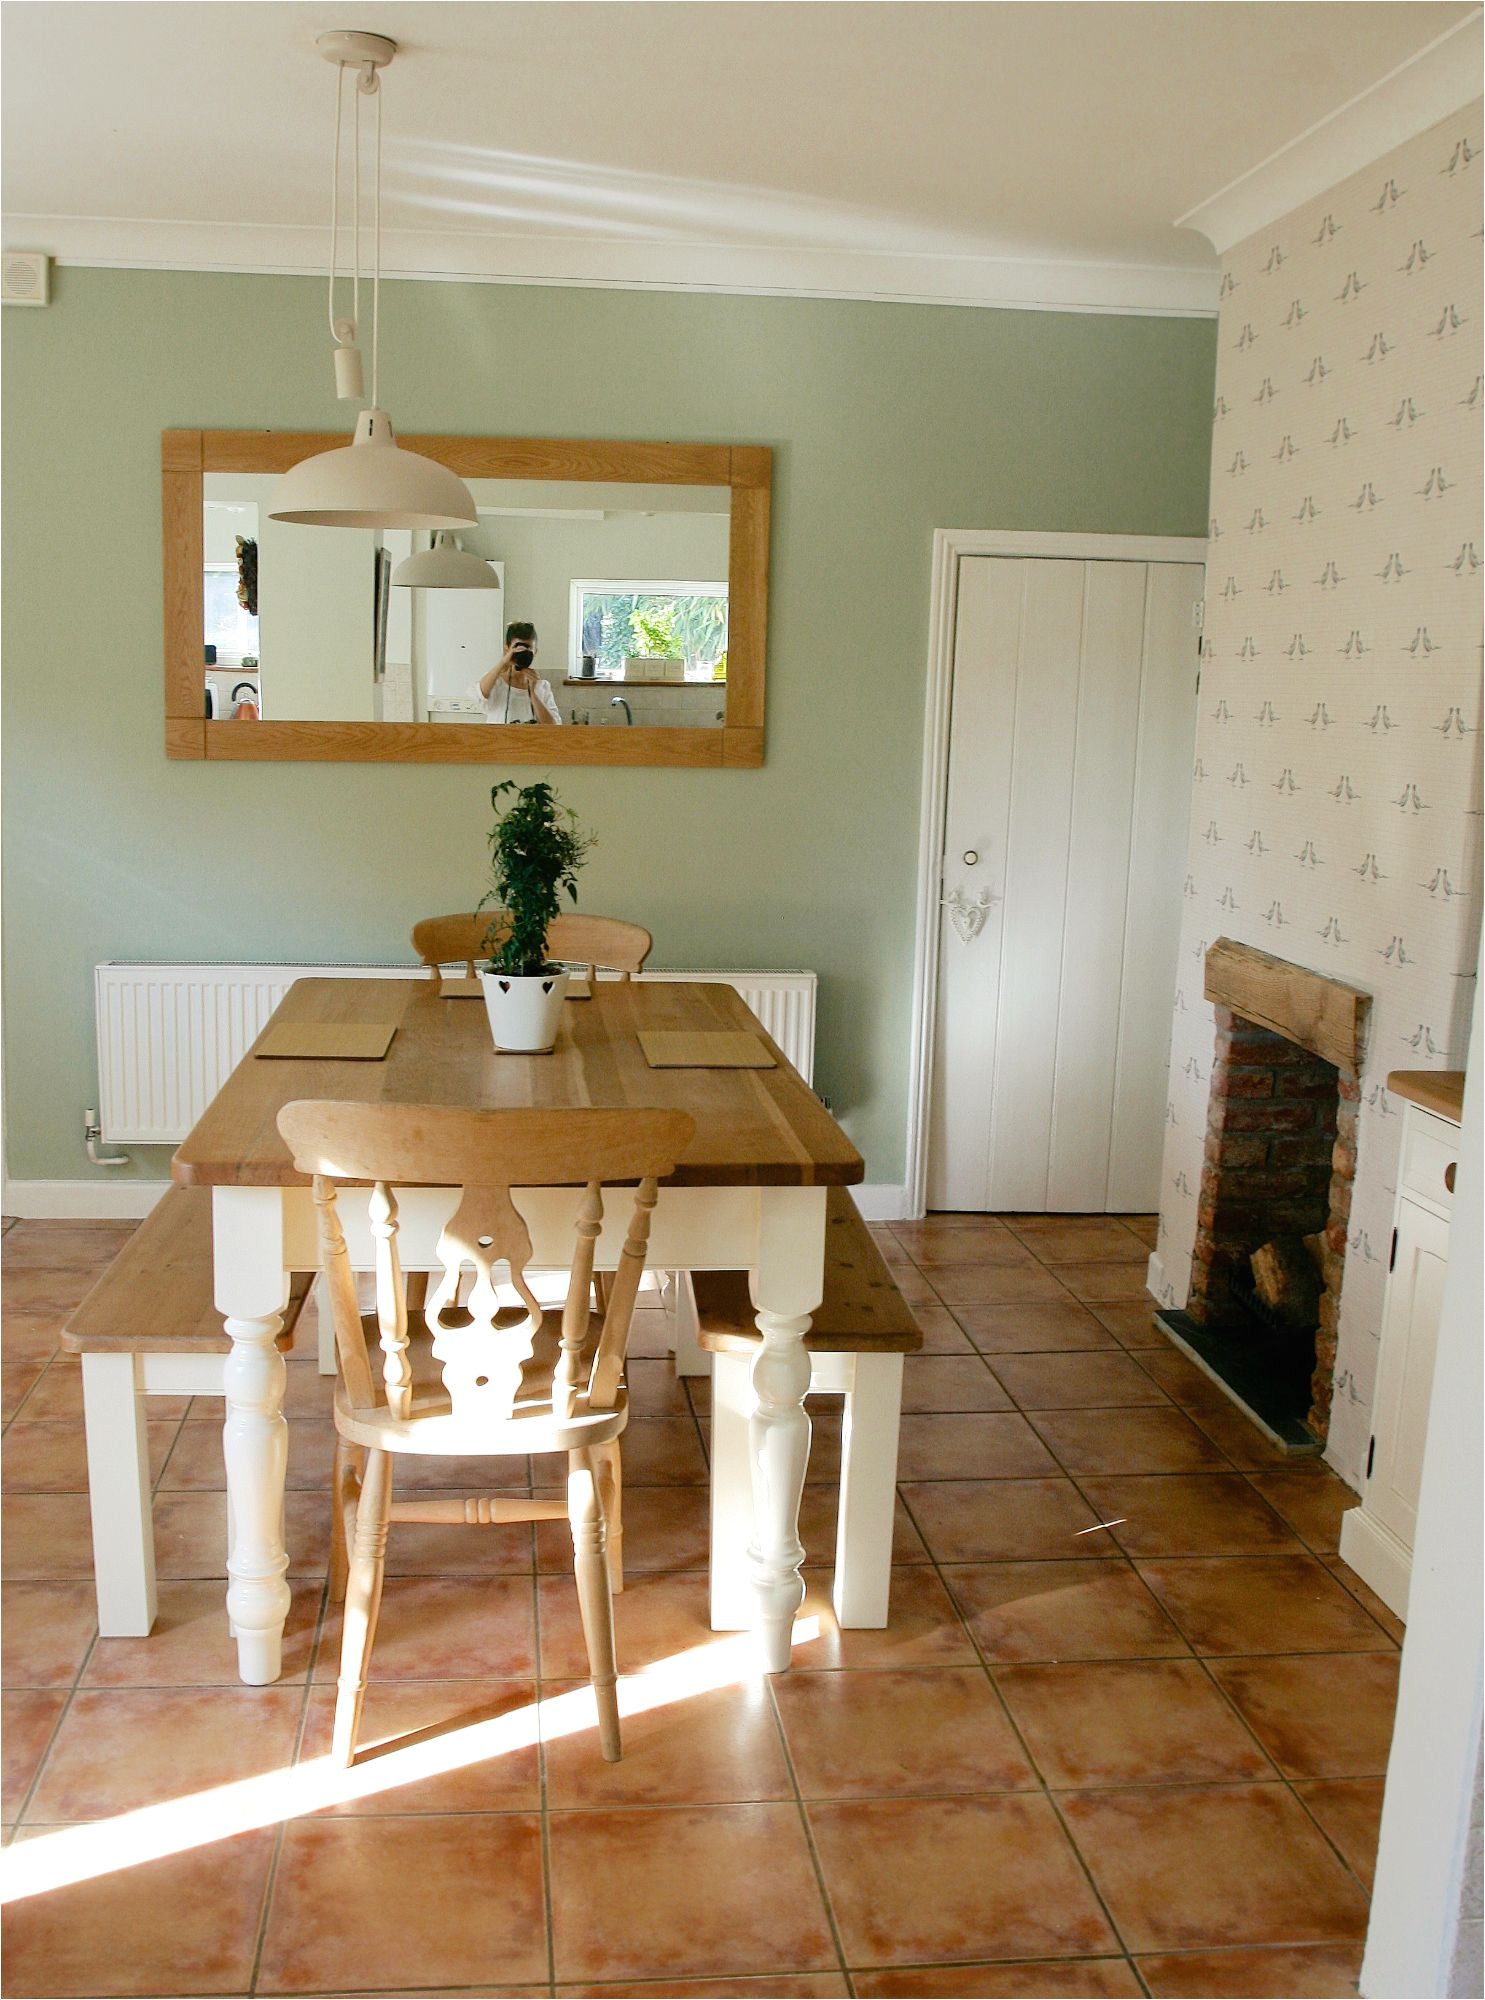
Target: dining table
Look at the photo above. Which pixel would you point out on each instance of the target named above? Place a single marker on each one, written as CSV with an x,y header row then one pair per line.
x,y
749,1195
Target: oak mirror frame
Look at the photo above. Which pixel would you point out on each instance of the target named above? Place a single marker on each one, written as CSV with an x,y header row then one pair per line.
x,y
186,456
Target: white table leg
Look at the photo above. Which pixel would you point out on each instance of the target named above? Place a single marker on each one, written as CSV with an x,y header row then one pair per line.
x,y
119,1495
868,1491
787,1285
732,1489
252,1289
690,1357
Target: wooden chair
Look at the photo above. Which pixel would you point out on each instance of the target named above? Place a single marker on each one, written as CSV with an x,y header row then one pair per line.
x,y
495,1376
591,942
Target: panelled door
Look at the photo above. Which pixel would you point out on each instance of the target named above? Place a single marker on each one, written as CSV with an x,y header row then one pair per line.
x,y
1072,727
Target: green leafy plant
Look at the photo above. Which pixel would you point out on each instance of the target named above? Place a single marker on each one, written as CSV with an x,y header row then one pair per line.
x,y
655,631
536,850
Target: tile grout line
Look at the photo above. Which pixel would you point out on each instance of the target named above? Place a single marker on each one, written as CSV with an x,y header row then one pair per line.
x,y
281,1827
809,1832
543,1821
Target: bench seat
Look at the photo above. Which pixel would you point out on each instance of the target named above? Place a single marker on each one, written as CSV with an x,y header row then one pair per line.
x,y
859,1334
149,1327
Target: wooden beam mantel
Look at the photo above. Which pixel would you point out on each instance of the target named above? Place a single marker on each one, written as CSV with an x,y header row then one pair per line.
x,y
1322,1015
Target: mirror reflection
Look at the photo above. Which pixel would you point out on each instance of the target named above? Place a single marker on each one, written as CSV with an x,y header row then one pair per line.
x,y
610,611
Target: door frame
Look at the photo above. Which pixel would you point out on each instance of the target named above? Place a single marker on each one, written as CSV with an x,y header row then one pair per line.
x,y
949,544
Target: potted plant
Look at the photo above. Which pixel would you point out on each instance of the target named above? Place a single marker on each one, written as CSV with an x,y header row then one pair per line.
x,y
536,850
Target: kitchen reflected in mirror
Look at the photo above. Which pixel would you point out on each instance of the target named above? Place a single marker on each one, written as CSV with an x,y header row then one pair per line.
x,y
642,566
626,584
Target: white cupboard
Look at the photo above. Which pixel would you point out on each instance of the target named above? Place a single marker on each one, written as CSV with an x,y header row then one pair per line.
x,y
1377,1536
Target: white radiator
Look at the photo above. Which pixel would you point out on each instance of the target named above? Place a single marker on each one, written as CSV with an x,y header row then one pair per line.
x,y
170,1035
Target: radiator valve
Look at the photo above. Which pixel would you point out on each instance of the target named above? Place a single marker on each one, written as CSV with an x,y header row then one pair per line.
x,y
92,1133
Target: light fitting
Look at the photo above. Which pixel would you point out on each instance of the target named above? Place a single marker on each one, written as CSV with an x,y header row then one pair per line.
x,y
445,567
371,482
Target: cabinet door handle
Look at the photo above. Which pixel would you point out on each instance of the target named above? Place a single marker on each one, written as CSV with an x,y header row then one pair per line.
x,y
1449,1176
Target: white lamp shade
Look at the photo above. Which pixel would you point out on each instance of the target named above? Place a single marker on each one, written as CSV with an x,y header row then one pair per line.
x,y
445,567
373,483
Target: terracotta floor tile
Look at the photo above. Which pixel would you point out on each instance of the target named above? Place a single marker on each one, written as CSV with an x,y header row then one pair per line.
x,y
1062,1611
49,1285
47,1535
58,1396
717,1747
1145,1227
17,1381
1034,1326
1261,1604
971,1446
1143,1722
950,1382
687,1892
663,1451
1196,1514
1105,1280
941,1330
1312,1505
197,1466
650,1335
1350,1814
1082,1240
53,1458
909,1880
923,1629
400,1715
1029,1979
1213,1865
1184,1382
1366,1597
163,1743
817,1525
655,1390
783,1986
927,1731
915,1288
104,1936
445,1628
1287,1972
31,1333
1132,1323
1318,1715
1076,1381
665,1528
994,1284
989,1520
931,1247
1239,1437
190,1645
1126,1440
46,1630
29,1717
399,1903
656,1617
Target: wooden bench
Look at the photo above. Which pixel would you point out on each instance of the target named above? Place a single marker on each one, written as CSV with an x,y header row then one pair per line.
x,y
859,1334
147,1328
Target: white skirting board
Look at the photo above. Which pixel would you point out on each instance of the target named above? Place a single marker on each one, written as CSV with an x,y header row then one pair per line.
x,y
129,1201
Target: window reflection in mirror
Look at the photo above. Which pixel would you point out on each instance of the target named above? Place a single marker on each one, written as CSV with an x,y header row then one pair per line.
x,y
626,585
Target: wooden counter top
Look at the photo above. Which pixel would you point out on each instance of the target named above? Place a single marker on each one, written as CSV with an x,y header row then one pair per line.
x,y
1440,1091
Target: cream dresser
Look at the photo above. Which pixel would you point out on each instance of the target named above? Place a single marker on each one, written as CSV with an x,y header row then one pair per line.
x,y
1377,1536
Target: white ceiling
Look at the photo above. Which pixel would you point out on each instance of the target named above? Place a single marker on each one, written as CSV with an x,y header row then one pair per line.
x,y
1036,152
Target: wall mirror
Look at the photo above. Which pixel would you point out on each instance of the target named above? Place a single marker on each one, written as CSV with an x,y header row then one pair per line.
x,y
644,568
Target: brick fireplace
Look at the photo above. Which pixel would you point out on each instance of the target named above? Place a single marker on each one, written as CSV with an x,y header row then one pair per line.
x,y
1279,1161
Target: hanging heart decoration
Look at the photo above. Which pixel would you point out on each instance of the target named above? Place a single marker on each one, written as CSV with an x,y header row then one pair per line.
x,y
968,914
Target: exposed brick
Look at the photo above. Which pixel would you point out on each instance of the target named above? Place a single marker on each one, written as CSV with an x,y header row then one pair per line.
x,y
1346,1121
1234,1150
1244,1083
1348,1087
1306,1084
1307,1149
1343,1160
1340,1202
1270,1118
1335,1238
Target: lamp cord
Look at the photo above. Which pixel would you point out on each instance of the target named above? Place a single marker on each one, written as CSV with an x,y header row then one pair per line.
x,y
335,196
376,248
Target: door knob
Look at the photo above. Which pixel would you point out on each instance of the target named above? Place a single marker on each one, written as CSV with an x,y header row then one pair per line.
x,y
970,857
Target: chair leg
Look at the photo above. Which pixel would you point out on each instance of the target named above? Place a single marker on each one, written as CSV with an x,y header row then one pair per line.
x,y
416,1283
362,1602
585,1512
611,1494
345,1486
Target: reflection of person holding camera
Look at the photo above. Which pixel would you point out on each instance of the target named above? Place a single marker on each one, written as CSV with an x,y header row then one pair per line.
x,y
511,690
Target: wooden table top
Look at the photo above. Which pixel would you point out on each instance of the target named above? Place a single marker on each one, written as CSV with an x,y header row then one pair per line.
x,y
753,1127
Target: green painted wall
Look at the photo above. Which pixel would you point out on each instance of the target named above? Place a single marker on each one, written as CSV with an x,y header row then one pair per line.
x,y
886,421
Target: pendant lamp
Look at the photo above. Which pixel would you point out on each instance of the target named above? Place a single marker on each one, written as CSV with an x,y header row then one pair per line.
x,y
371,482
445,567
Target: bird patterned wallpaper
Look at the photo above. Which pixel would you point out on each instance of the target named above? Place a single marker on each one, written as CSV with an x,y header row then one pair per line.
x,y
1336,811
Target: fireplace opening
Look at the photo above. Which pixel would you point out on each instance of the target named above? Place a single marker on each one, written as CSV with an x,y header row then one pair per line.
x,y
1277,1172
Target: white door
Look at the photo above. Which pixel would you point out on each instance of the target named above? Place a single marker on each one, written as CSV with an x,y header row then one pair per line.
x,y
1410,1331
1072,727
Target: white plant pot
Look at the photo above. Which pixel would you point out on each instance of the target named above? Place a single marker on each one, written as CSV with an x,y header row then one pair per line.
x,y
524,1009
